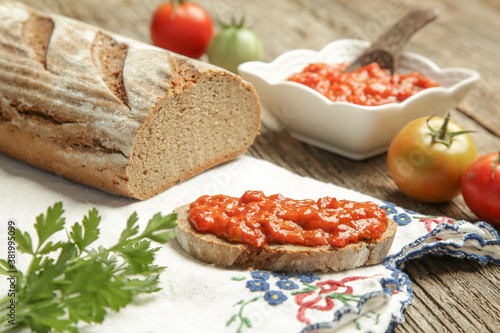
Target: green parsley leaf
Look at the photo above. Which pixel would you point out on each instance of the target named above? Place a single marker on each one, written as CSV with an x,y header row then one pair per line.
x,y
47,226
24,243
139,256
159,222
90,224
68,282
50,247
148,285
131,229
47,318
5,267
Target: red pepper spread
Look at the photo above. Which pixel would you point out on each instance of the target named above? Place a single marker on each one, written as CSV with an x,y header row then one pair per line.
x,y
369,85
258,220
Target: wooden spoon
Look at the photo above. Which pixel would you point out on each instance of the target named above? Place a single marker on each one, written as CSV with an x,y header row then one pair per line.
x,y
386,49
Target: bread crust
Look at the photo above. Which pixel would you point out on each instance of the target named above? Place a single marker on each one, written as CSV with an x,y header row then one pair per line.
x,y
283,258
106,111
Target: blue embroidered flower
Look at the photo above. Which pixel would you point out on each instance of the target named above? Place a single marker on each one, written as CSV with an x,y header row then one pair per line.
x,y
390,208
275,297
287,284
261,275
307,278
282,275
257,285
402,219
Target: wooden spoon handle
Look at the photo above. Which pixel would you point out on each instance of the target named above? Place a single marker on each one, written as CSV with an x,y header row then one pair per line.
x,y
390,44
395,38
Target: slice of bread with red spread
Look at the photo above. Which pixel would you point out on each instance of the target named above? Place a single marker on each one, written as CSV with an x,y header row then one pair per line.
x,y
283,258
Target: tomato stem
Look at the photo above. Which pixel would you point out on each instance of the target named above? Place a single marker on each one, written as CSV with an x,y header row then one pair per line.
x,y
175,6
233,24
442,135
495,164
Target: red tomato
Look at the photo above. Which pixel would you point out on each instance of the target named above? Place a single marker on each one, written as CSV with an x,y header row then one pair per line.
x,y
185,29
481,187
428,157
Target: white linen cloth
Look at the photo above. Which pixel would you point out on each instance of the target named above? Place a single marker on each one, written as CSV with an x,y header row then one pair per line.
x,y
197,297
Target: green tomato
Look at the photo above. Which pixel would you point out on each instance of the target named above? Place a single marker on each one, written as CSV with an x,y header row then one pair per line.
x,y
234,45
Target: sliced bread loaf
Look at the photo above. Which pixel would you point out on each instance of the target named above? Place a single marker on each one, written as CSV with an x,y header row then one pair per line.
x,y
114,113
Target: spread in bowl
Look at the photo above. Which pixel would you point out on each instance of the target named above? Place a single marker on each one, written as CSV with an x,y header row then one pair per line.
x,y
257,220
351,130
369,85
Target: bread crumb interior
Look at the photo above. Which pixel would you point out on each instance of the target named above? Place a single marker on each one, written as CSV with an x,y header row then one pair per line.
x,y
208,123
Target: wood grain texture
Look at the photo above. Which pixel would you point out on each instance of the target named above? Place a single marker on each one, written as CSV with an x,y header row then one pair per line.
x,y
450,295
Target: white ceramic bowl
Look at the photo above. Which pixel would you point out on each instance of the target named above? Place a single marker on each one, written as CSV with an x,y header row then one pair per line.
x,y
354,131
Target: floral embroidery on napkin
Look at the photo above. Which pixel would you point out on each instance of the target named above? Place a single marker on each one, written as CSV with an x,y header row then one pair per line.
x,y
310,292
325,292
432,221
401,218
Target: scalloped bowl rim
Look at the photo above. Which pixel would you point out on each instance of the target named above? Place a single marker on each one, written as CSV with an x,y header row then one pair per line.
x,y
344,128
251,66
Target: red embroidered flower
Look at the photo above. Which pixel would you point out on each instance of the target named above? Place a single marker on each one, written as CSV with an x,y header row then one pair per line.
x,y
437,220
321,296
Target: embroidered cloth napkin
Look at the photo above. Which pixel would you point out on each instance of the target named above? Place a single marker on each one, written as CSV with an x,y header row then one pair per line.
x,y
197,297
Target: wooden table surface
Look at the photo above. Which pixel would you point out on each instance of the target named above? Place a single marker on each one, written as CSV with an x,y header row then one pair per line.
x,y
450,295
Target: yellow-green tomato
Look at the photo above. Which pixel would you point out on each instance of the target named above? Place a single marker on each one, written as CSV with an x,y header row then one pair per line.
x,y
427,158
234,45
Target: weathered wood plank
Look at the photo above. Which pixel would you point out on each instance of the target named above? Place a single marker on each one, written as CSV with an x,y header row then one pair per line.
x,y
440,292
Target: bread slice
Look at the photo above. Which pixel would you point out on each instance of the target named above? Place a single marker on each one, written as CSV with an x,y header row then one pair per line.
x,y
111,112
282,258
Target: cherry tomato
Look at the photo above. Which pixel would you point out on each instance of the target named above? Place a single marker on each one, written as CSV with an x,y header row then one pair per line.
x,y
234,45
481,187
185,28
427,158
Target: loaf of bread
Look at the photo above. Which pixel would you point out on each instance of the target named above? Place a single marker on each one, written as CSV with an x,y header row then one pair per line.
x,y
113,113
281,258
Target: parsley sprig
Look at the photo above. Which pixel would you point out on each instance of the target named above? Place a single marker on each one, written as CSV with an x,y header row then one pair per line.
x,y
67,282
